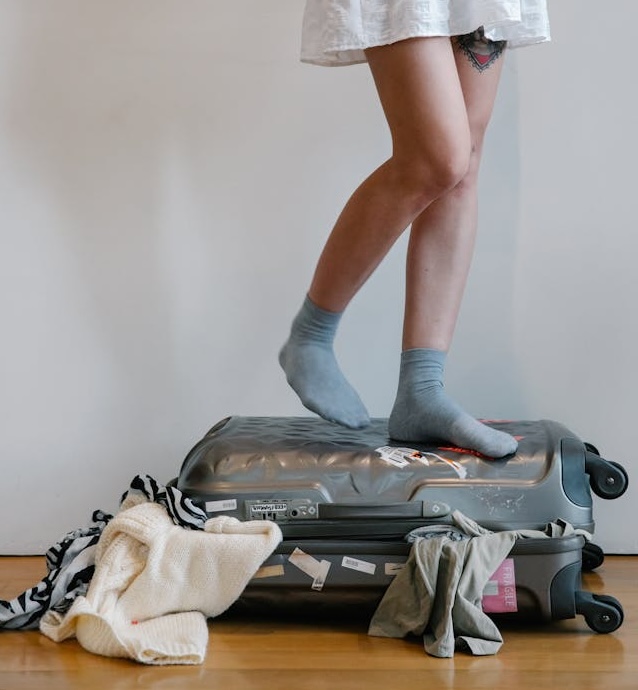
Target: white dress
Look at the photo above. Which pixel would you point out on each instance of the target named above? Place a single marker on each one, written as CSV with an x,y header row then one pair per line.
x,y
335,32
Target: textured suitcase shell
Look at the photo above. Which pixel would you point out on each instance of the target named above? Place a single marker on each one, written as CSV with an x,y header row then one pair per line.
x,y
310,475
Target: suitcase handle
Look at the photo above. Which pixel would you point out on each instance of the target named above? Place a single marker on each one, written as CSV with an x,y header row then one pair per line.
x,y
389,511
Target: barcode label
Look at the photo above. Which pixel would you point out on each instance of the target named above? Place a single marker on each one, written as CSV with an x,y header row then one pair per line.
x,y
220,506
356,564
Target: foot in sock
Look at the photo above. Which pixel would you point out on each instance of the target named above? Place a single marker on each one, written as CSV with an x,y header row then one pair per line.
x,y
424,412
312,370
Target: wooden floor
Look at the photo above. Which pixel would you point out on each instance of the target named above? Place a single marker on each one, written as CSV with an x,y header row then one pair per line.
x,y
276,655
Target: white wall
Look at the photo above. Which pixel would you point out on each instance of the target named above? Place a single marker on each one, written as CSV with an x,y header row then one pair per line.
x,y
576,322
168,174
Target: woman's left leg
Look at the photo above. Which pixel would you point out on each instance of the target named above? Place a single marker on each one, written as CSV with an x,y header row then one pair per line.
x,y
438,262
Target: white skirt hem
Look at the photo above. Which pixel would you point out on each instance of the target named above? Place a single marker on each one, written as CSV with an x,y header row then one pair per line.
x,y
337,32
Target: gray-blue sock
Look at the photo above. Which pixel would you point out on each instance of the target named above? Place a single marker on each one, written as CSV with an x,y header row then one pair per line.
x,y
311,368
423,411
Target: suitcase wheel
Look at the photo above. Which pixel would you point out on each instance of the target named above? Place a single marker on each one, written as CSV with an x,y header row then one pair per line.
x,y
593,557
607,479
603,614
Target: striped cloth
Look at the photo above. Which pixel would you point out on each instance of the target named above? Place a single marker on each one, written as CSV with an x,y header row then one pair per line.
x,y
71,561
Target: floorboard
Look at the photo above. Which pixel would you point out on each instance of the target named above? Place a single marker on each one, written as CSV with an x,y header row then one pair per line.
x,y
277,654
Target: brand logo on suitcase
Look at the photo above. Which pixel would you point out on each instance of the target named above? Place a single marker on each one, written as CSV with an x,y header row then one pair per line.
x,y
260,508
280,510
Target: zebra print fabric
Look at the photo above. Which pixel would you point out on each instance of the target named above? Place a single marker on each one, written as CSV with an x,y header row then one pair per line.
x,y
71,561
182,510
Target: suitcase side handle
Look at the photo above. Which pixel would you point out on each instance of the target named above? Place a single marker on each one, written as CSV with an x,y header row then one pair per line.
x,y
389,511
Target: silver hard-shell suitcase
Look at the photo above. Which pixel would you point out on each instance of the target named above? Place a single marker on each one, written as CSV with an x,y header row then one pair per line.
x,y
348,494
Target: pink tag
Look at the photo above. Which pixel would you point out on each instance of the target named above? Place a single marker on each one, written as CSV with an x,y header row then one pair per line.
x,y
499,595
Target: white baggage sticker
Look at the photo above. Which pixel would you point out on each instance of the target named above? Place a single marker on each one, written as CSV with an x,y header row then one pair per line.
x,y
305,562
317,570
395,456
361,566
320,577
402,457
221,506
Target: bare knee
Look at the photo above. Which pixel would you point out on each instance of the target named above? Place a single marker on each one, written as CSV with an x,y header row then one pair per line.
x,y
469,179
429,172
450,169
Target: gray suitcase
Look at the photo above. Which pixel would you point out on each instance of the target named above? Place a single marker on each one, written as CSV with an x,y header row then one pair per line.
x,y
342,494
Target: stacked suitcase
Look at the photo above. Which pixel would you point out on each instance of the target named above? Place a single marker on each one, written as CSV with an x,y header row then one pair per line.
x,y
346,499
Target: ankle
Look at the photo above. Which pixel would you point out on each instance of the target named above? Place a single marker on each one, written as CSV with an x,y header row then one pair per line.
x,y
314,324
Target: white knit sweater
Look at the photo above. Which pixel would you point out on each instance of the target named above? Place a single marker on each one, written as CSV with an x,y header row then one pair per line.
x,y
156,583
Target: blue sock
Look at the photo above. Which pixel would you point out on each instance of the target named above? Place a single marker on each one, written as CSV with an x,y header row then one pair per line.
x,y
311,368
423,411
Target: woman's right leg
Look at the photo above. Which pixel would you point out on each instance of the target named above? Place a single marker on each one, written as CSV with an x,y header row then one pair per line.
x,y
420,91
438,261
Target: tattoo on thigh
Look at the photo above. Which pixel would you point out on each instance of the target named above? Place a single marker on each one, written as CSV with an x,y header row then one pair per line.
x,y
480,51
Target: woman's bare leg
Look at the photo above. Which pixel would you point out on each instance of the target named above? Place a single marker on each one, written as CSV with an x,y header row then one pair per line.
x,y
420,91
442,237
439,256
422,97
